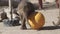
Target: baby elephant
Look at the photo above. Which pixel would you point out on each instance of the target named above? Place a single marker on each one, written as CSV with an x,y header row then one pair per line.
x,y
24,10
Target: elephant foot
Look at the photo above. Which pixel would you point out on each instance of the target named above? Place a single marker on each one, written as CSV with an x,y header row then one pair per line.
x,y
24,28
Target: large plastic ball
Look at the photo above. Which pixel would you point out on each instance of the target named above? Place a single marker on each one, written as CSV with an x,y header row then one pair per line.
x,y
36,20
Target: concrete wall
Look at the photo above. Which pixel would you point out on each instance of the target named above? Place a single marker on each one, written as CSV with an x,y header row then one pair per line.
x,y
5,3
49,0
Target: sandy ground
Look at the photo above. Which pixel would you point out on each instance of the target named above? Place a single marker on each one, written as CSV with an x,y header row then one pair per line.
x,y
50,12
48,28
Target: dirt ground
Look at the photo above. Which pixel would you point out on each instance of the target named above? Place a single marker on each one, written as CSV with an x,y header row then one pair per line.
x,y
50,13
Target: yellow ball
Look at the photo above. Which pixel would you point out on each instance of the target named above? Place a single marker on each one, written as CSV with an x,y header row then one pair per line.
x,y
36,20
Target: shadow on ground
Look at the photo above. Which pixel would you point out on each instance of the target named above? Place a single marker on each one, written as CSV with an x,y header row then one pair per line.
x,y
46,28
50,28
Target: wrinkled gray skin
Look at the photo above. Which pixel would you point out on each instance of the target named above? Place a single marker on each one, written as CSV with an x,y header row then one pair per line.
x,y
24,10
